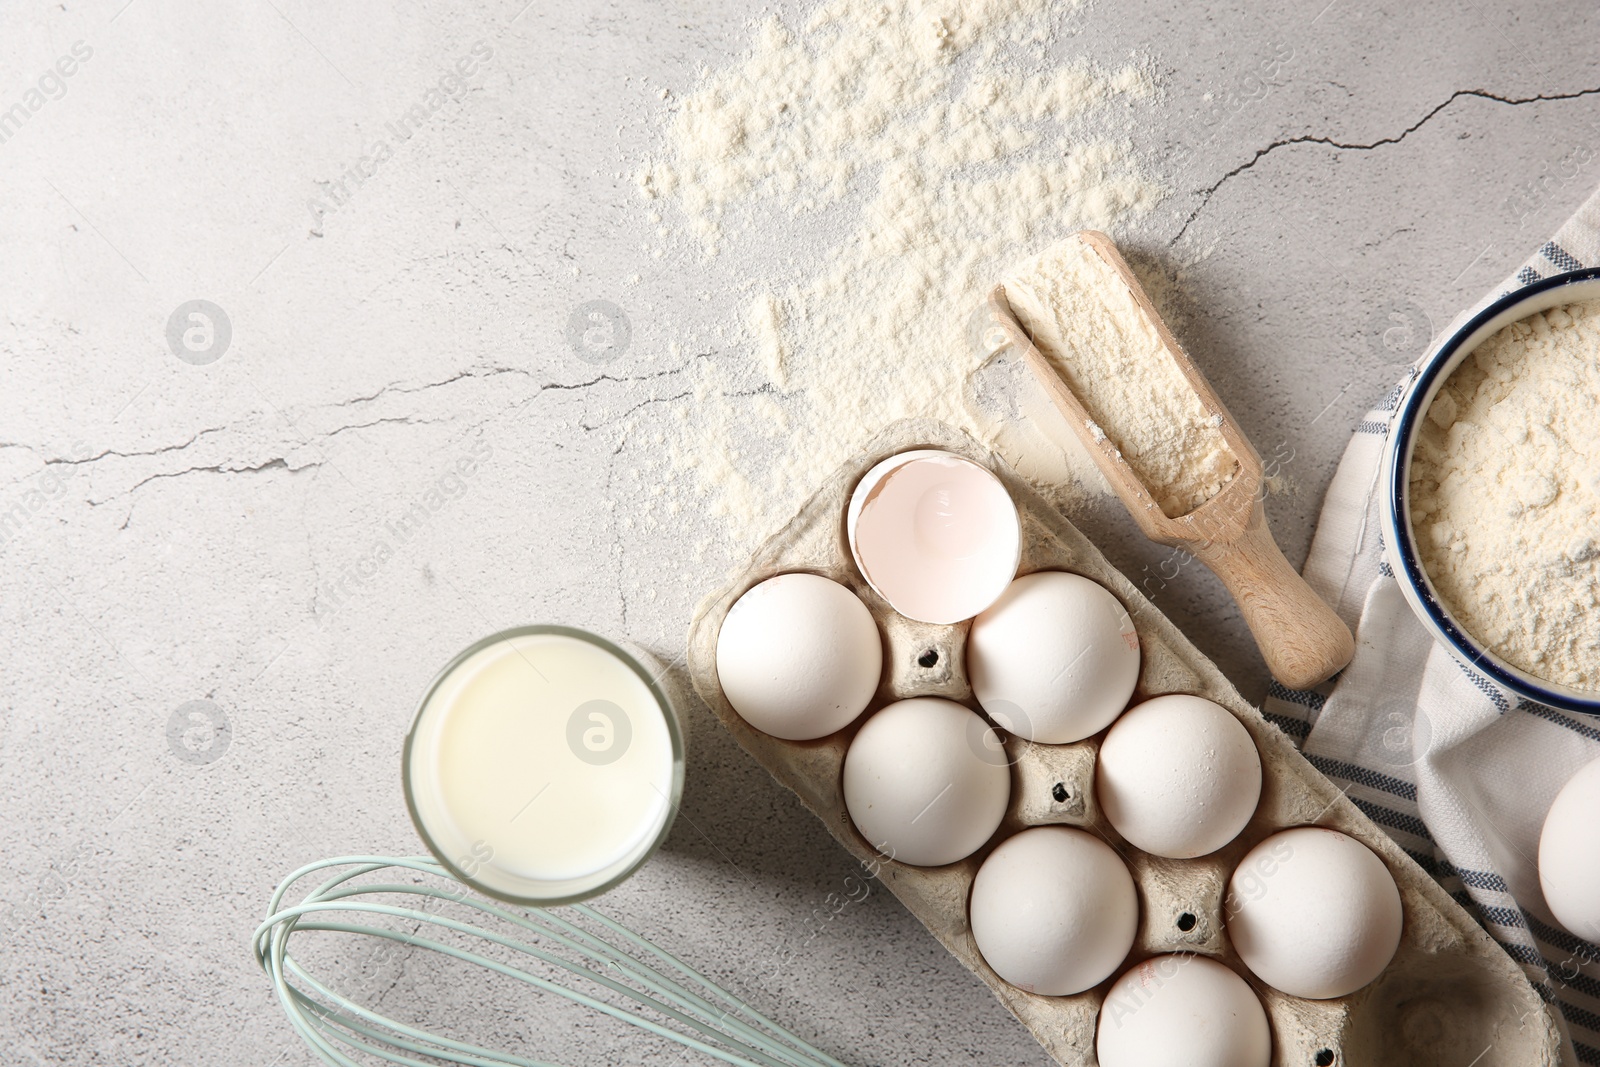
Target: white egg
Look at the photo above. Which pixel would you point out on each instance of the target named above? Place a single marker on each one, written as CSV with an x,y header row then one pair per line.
x,y
1182,1011
1054,910
799,656
926,781
1178,776
1314,913
1569,855
1055,659
935,534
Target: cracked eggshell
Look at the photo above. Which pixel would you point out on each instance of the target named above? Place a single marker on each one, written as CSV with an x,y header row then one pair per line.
x,y
1314,913
1055,659
799,656
936,535
1182,1010
1178,776
1054,910
1569,855
926,781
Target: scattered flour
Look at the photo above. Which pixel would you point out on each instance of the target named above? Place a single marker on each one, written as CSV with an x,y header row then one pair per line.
x,y
766,322
1505,494
918,139
1086,322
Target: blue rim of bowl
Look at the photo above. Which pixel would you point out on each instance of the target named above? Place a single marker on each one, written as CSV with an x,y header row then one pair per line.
x,y
1398,469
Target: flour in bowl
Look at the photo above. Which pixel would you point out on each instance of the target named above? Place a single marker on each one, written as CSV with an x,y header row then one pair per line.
x,y
1505,494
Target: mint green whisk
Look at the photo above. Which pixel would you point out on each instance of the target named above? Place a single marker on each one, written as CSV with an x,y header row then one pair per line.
x,y
682,1005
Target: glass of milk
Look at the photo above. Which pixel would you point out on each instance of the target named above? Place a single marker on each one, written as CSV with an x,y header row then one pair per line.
x,y
545,764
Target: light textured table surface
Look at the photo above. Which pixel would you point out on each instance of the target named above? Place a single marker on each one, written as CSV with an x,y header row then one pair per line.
x,y
169,528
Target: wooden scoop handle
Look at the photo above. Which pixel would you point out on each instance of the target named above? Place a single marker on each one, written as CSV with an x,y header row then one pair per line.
x,y
1303,641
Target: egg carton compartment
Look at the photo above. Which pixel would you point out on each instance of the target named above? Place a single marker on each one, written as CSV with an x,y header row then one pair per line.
x,y
1449,996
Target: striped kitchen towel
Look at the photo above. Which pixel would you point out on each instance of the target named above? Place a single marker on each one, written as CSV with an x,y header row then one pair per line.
x,y
1458,771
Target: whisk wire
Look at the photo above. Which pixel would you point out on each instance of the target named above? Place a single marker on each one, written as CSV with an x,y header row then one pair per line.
x,y
532,979
688,972
334,1024
581,942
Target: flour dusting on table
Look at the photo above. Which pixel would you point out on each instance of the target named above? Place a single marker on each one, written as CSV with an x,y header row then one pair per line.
x,y
918,139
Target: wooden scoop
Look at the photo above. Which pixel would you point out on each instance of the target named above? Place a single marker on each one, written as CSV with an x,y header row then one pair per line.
x,y
1300,637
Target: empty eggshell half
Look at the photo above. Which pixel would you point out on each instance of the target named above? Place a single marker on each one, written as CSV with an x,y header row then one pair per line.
x,y
1054,910
799,656
1178,776
935,534
1314,913
926,781
1182,1011
1055,659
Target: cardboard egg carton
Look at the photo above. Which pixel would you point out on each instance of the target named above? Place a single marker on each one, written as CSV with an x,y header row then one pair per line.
x,y
1451,996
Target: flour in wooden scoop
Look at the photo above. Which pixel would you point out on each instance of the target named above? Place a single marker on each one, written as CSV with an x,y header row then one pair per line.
x,y
1085,321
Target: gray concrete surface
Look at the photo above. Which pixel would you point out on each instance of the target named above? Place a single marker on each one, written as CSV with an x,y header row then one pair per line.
x,y
175,526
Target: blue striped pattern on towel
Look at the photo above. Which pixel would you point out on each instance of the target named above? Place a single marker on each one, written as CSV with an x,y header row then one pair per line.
x,y
1565,970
